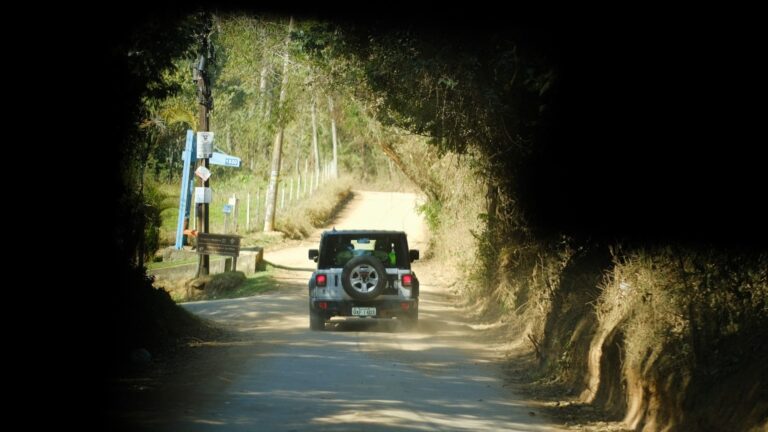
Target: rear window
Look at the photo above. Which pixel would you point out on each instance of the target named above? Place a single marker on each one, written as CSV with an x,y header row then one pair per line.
x,y
391,249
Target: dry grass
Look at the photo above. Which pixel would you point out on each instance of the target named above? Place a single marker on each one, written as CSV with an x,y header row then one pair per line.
x,y
648,342
690,320
316,211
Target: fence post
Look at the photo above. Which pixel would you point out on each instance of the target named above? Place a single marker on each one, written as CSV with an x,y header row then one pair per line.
x,y
248,212
236,212
258,203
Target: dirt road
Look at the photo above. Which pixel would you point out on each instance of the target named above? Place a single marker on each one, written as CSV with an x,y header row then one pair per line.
x,y
355,376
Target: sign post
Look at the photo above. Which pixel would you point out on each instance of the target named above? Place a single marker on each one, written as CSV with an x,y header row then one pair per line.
x,y
219,244
185,197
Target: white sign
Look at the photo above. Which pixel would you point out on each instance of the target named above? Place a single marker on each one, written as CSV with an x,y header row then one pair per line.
x,y
203,195
203,172
232,201
225,159
204,145
232,162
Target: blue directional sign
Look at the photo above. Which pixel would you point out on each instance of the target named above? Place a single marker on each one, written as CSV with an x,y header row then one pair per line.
x,y
187,185
225,159
227,208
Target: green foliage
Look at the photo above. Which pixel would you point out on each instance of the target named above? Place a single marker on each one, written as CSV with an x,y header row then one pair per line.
x,y
431,212
155,203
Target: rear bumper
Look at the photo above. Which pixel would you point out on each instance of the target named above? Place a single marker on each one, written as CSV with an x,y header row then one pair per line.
x,y
384,308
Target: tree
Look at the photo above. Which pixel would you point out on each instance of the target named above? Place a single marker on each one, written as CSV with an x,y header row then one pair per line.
x,y
315,151
277,151
335,162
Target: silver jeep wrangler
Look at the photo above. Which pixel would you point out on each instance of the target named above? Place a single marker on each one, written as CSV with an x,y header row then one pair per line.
x,y
365,274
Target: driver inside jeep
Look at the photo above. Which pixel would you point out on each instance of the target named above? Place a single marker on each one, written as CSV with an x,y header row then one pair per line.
x,y
344,252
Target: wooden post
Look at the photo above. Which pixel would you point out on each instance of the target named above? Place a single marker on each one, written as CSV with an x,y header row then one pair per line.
x,y
230,264
206,104
248,212
235,212
258,203
259,264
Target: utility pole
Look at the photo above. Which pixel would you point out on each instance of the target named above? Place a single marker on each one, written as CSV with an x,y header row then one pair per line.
x,y
205,100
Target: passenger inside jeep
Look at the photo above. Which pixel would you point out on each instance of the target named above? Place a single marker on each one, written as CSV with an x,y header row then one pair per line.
x,y
380,251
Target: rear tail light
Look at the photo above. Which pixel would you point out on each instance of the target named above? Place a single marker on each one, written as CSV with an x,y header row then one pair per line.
x,y
323,305
407,280
321,280
405,306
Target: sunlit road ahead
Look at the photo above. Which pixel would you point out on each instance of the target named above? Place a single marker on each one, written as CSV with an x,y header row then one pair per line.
x,y
355,376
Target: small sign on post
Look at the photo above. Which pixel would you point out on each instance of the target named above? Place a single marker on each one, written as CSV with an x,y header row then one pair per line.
x,y
234,202
227,210
225,160
218,244
204,145
203,172
203,195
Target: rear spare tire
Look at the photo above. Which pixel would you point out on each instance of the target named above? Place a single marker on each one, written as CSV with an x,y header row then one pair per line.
x,y
363,277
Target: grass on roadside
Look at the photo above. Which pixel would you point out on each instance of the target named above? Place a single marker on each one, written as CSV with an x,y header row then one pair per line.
x,y
219,286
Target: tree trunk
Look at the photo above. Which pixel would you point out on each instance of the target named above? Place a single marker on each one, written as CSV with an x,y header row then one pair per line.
x,y
262,90
334,171
264,111
277,150
315,150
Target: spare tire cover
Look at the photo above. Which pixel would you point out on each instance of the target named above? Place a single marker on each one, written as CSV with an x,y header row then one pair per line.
x,y
363,277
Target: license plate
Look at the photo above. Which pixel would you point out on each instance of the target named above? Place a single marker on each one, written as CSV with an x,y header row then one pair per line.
x,y
363,311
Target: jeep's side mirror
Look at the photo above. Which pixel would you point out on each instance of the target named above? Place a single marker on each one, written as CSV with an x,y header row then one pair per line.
x,y
313,254
413,254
